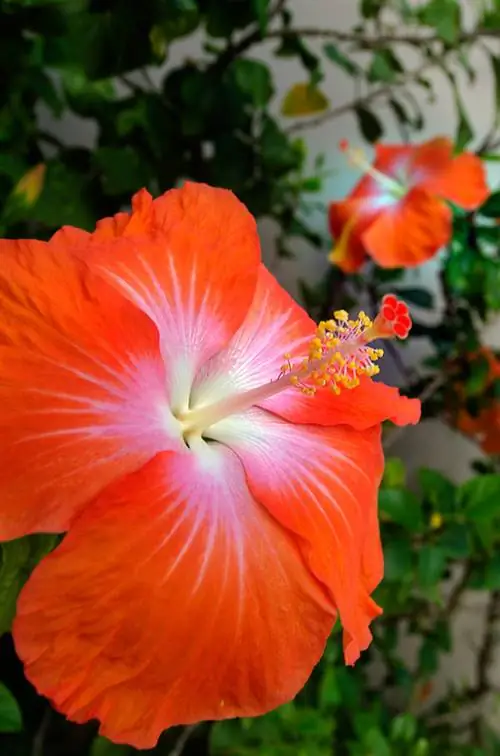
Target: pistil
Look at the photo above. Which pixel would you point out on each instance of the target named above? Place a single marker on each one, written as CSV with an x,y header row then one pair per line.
x,y
339,355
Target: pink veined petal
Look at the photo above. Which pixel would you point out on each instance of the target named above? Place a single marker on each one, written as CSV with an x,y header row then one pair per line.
x,y
321,484
175,598
193,271
82,388
276,325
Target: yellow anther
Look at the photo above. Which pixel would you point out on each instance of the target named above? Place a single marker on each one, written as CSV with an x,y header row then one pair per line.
x,y
341,315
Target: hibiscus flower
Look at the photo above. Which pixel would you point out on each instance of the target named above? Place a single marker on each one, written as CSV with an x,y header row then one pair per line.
x,y
397,213
220,499
484,424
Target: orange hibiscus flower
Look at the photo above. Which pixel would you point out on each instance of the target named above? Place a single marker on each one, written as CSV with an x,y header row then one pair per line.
x,y
219,515
397,214
484,427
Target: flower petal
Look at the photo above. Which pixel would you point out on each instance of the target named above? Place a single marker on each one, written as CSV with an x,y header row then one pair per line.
x,y
462,181
193,272
348,221
175,598
276,325
321,484
410,233
82,398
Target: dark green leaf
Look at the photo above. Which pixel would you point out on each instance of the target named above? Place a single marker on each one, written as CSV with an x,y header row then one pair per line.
x,y
398,560
122,170
369,125
254,79
384,66
10,713
491,208
492,574
492,284
437,490
479,373
428,658
480,497
402,507
329,692
17,559
261,10
455,541
333,53
104,747
65,200
431,564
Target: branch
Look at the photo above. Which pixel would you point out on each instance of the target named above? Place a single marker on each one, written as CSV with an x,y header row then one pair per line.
x,y
182,740
370,42
359,102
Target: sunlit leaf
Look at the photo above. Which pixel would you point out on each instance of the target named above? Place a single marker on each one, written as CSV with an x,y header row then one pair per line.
x,y
304,100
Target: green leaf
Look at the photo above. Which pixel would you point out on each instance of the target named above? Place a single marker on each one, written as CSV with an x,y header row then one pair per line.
x,y
428,657
304,100
431,564
329,692
376,742
384,66
394,473
369,125
398,560
480,497
492,574
254,79
491,208
402,507
10,713
65,199
122,168
104,747
444,16
17,559
404,728
492,284
464,132
261,10
479,374
420,297
341,60
455,541
437,490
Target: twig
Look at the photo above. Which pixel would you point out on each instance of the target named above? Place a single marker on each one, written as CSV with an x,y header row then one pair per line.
x,y
370,42
359,102
37,748
182,740
457,592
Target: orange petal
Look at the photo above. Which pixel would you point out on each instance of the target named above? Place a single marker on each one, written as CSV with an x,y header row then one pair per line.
x,y
175,598
410,233
82,398
140,220
320,484
391,159
194,274
462,181
430,158
348,219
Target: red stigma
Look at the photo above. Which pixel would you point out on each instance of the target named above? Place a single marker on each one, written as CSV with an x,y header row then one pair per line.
x,y
396,316
344,145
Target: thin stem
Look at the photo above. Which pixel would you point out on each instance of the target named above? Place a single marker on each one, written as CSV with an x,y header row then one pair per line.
x,y
370,42
37,748
234,50
182,740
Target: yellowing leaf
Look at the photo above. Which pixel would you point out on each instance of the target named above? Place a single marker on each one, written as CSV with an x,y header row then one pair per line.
x,y
30,185
303,100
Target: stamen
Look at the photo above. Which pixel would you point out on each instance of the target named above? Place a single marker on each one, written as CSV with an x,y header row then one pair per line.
x,y
358,158
339,353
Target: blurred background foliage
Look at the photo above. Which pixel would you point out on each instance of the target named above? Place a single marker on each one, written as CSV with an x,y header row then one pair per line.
x,y
216,118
